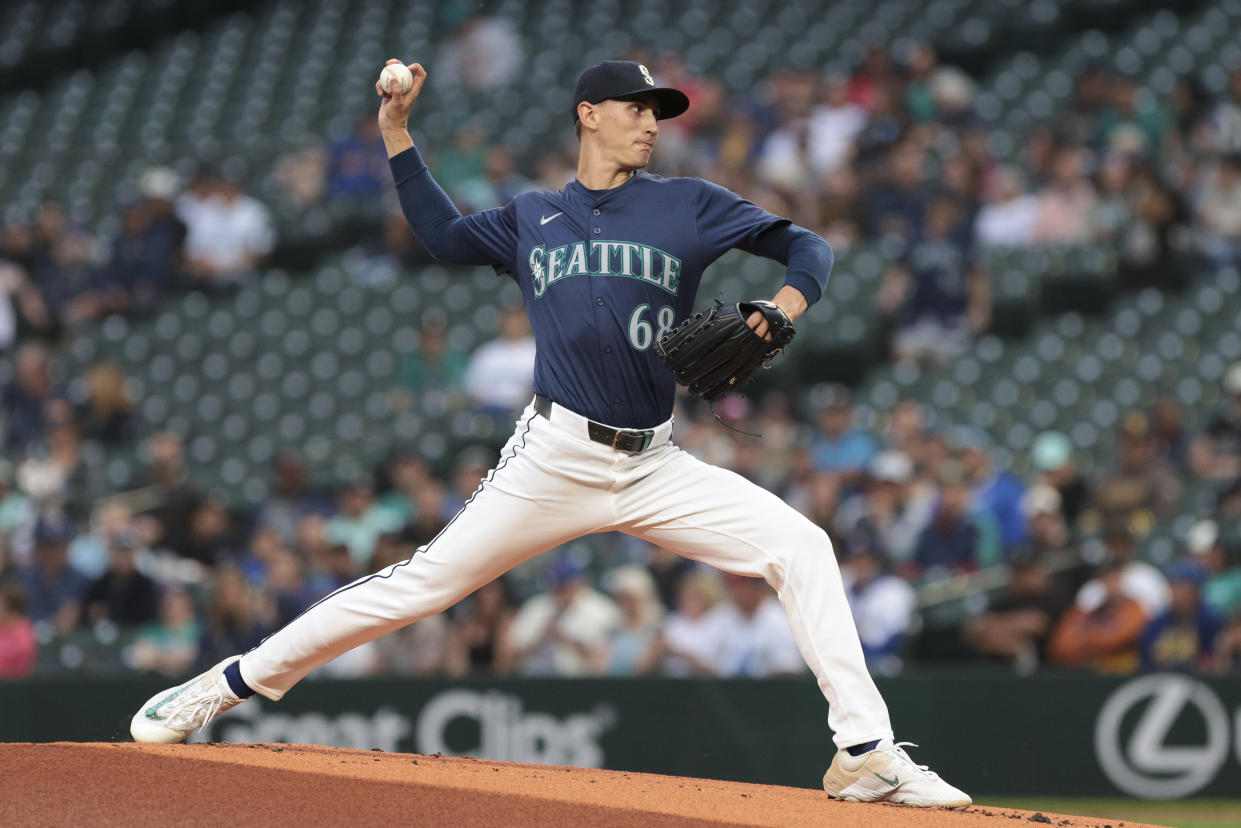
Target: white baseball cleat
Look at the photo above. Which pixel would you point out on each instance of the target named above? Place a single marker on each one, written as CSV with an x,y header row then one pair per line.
x,y
887,774
171,716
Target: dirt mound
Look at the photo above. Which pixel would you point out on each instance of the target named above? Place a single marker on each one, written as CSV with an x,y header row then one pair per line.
x,y
223,784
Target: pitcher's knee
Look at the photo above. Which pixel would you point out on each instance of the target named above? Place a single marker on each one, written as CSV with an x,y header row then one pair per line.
x,y
800,544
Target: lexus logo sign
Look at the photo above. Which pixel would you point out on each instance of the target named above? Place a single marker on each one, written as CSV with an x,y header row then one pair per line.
x,y
1131,736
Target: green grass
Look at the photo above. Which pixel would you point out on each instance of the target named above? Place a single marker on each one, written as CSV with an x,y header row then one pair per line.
x,y
1188,813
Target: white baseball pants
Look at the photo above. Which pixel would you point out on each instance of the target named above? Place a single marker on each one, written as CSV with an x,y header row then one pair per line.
x,y
553,484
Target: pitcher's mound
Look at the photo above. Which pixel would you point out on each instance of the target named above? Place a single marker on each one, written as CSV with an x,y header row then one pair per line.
x,y
92,784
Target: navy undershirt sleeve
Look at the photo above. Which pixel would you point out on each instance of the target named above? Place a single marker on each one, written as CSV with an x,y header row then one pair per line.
x,y
807,255
486,238
726,220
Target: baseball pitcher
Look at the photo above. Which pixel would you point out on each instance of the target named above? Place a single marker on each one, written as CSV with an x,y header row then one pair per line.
x,y
608,268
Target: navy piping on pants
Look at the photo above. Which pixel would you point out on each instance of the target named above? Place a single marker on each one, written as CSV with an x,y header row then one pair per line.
x,y
503,462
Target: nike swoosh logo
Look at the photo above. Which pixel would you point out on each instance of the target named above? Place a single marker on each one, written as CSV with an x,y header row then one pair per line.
x,y
894,782
545,219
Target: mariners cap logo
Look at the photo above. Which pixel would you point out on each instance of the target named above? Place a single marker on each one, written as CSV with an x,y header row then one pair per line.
x,y
619,79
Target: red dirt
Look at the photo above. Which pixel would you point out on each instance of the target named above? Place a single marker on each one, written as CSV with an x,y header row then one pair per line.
x,y
106,784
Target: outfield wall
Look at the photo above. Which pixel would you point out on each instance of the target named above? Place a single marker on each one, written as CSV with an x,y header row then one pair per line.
x,y
1160,736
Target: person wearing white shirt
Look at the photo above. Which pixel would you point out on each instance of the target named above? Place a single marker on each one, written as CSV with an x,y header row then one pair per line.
x,y
227,232
1008,215
883,608
557,633
499,376
751,633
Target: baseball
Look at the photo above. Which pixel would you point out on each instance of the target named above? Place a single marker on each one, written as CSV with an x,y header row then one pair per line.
x,y
399,73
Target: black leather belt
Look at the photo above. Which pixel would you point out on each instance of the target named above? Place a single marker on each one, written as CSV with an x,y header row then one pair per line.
x,y
621,439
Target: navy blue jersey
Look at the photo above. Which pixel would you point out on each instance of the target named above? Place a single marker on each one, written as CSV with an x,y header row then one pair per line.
x,y
605,273
939,267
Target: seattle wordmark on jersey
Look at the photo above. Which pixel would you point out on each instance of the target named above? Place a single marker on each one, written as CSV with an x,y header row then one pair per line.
x,y
604,258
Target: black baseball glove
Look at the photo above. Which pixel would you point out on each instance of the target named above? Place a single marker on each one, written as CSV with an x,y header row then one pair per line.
x,y
715,353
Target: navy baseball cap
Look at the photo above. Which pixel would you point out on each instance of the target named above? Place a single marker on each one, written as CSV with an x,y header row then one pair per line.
x,y
622,78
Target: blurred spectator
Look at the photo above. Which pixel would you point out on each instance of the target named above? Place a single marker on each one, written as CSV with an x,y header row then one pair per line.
x,y
432,373
106,415
751,633
1041,508
1016,626
1136,579
1216,453
168,485
552,171
954,540
58,474
417,649
883,605
892,511
937,295
290,498
500,373
499,183
1227,656
479,638
210,537
486,53
1222,589
819,499
330,567
53,588
406,473
1008,214
630,649
459,162
834,124
23,309
1065,201
996,492
17,513
1225,120
1171,435
357,165
1182,637
1052,456
1219,211
144,256
894,206
88,552
838,444
1131,121
1104,637
233,623
228,233
1111,212
1148,243
27,400
302,176
431,509
285,581
169,645
122,595
359,522
1141,487
557,633
875,72
687,639
18,647
669,570
392,251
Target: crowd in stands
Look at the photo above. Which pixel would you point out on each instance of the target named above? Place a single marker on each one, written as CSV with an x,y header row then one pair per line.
x,y
893,154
